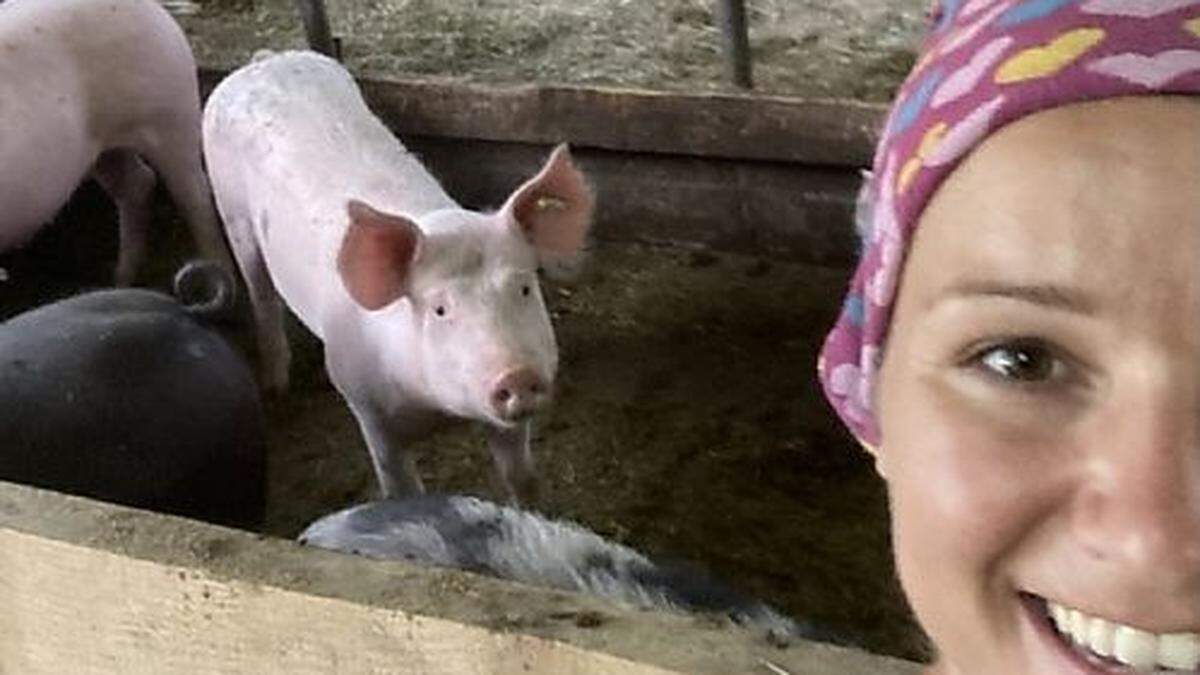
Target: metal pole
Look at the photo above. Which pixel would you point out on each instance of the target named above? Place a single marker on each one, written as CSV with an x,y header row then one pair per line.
x,y
316,28
732,17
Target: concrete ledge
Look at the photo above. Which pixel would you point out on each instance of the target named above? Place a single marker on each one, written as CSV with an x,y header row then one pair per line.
x,y
87,587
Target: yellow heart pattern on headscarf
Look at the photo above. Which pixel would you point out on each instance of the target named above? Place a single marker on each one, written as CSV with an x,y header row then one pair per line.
x,y
1049,59
1193,26
930,140
907,173
929,143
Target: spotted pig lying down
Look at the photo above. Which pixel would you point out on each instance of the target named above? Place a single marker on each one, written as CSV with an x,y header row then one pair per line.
x,y
510,543
129,396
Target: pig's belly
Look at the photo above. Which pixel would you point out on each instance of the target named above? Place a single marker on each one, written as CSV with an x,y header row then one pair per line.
x,y
37,177
28,204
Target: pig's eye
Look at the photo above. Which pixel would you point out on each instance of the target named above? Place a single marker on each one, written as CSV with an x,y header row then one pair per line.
x,y
440,310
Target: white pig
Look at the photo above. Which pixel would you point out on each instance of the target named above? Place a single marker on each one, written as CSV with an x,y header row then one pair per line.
x,y
102,87
426,309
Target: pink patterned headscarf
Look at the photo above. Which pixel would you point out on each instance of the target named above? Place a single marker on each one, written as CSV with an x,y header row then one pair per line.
x,y
987,63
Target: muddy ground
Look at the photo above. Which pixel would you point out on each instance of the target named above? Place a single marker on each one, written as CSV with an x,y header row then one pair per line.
x,y
688,422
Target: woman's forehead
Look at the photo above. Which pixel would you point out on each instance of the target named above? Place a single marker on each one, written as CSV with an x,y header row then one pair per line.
x,y
1117,179
1100,204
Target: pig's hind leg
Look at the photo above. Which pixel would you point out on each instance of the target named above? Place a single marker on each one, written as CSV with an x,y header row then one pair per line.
x,y
130,183
175,153
268,308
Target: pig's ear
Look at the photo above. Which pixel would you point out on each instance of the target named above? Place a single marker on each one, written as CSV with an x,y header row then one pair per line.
x,y
377,255
554,208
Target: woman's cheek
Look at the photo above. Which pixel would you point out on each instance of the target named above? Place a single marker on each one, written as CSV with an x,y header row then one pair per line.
x,y
968,471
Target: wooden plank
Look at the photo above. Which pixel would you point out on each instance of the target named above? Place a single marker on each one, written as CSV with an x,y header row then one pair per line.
x,y
712,125
87,587
783,211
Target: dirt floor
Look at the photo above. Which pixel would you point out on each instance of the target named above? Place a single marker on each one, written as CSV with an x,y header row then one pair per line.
x,y
688,422
846,49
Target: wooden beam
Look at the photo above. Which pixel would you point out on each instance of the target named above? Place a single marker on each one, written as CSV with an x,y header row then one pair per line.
x,y
87,587
784,211
716,126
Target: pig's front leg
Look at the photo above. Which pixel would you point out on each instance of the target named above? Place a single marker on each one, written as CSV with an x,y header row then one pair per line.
x,y
394,465
514,462
389,425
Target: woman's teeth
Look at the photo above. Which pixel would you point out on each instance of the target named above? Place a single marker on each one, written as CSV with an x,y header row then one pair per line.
x,y
1138,649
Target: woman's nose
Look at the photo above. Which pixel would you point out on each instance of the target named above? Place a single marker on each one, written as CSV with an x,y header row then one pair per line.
x,y
1139,506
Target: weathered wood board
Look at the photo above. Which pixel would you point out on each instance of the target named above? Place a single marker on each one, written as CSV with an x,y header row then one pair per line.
x,y
715,126
87,587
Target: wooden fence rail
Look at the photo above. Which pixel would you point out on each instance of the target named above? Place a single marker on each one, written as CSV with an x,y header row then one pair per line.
x,y
87,587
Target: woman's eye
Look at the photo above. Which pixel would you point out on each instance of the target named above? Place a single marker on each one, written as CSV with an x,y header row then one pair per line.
x,y
1021,362
525,290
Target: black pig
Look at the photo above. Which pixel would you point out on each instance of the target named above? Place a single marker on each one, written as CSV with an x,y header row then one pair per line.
x,y
128,396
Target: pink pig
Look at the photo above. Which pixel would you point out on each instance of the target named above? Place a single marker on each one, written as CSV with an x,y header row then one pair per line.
x,y
99,87
426,309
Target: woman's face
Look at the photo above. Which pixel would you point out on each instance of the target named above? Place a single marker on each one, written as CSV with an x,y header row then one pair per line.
x,y
1039,398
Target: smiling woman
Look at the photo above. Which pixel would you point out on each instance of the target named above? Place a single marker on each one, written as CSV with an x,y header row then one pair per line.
x,y
1023,353
1045,383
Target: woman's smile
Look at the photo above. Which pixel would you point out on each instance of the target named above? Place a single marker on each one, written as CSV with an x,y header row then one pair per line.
x,y
1094,644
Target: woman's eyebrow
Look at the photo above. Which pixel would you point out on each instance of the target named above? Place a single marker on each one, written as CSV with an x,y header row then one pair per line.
x,y
1050,296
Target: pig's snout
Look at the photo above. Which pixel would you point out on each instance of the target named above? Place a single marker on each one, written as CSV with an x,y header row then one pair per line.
x,y
518,394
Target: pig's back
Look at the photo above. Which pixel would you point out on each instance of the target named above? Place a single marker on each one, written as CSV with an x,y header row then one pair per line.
x,y
123,61
289,141
304,122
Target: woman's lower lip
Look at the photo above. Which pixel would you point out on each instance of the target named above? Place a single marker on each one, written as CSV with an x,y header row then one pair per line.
x,y
1067,658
